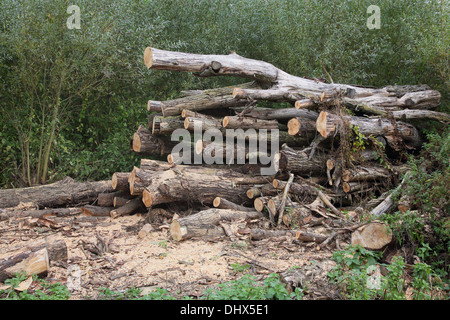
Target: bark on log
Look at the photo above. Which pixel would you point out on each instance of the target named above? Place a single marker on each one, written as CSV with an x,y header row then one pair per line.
x,y
120,201
221,203
201,100
327,124
237,122
43,213
166,125
300,189
96,211
302,127
119,181
196,185
32,258
281,85
373,236
297,161
310,236
128,208
257,234
145,142
62,193
277,114
260,203
190,123
206,223
107,199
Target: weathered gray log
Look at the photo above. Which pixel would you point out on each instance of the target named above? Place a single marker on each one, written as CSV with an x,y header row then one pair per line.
x,y
281,86
276,114
145,142
207,223
66,192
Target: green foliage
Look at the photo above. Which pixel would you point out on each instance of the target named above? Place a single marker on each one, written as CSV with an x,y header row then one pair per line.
x,y
41,290
247,288
354,275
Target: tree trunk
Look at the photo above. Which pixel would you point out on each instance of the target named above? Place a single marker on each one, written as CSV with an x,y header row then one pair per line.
x,y
107,199
206,223
62,193
190,123
96,211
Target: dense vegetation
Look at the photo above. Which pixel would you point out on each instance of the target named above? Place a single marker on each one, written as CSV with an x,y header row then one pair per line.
x,y
70,99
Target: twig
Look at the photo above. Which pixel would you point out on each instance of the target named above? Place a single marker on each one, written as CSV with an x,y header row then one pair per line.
x,y
283,199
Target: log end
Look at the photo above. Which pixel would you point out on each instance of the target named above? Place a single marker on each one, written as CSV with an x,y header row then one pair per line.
x,y
199,147
321,124
148,57
176,231
136,142
294,126
225,121
186,122
216,202
259,204
147,198
114,181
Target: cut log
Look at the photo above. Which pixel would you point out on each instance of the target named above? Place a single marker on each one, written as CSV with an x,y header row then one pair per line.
x,y
66,192
190,123
300,189
196,185
302,127
166,125
260,203
282,86
310,236
43,213
327,124
154,106
284,114
120,201
119,181
365,173
373,236
257,234
297,161
145,142
202,100
303,104
33,258
107,199
130,207
96,211
237,122
206,223
221,203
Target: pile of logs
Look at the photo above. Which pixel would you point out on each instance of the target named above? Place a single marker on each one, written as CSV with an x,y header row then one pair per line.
x,y
337,144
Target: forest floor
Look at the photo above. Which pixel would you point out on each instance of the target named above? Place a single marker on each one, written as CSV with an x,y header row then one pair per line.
x,y
109,253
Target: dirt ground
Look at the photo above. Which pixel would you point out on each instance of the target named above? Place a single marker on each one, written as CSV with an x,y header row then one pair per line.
x,y
109,253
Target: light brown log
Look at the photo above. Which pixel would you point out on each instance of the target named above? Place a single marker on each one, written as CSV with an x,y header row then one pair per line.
x,y
206,223
302,127
260,203
373,236
237,122
154,106
120,201
96,211
66,192
310,236
305,103
32,258
328,123
120,181
221,203
130,207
